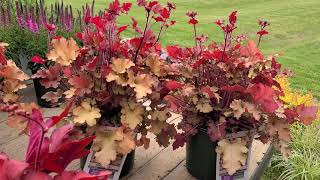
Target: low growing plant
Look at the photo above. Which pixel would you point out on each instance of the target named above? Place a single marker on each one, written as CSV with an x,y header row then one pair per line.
x,y
230,87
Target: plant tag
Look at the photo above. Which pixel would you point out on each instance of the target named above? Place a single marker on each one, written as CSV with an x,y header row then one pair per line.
x,y
115,167
242,173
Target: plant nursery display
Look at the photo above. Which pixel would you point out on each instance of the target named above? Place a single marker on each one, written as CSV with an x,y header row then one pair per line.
x,y
228,93
118,92
46,156
117,85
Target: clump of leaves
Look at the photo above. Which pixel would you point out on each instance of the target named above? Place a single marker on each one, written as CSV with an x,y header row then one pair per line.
x,y
231,87
115,82
46,156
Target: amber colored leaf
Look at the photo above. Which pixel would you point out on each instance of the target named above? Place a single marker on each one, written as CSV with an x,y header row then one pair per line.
x,y
12,85
279,128
157,126
85,113
82,83
52,97
121,79
131,114
203,105
120,66
155,65
233,154
127,144
143,84
11,71
106,147
239,108
70,93
63,51
160,115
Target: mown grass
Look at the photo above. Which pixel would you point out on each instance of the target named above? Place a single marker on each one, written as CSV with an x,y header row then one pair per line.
x,y
294,30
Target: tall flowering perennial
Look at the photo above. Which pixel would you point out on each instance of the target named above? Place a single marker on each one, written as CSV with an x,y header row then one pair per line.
x,y
46,156
117,84
230,87
36,16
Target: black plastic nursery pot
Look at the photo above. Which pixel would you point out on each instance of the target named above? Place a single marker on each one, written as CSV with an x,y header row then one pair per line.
x,y
201,156
40,91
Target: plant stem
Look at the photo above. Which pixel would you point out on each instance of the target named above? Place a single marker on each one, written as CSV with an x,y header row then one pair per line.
x,y
143,35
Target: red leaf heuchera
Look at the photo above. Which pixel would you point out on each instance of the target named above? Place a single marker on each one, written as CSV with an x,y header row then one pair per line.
x,y
47,154
230,87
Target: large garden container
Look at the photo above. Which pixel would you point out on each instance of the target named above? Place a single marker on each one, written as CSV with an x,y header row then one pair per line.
x,y
201,156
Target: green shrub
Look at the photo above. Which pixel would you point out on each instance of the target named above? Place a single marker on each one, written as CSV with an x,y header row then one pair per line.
x,y
24,44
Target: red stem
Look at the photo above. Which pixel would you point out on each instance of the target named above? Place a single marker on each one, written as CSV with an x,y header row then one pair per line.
x,y
195,34
144,32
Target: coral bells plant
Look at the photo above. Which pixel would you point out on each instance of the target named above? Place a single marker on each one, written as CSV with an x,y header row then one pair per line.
x,y
46,156
118,84
230,87
11,78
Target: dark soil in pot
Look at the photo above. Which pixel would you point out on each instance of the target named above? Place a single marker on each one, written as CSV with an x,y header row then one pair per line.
x,y
201,156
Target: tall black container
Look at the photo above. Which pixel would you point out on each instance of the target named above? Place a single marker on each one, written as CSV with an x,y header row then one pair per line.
x,y
201,156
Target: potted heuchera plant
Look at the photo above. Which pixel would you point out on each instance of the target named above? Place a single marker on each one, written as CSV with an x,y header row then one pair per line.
x,y
228,95
118,84
46,156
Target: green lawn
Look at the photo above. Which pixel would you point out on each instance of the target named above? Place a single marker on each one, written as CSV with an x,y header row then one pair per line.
x,y
294,30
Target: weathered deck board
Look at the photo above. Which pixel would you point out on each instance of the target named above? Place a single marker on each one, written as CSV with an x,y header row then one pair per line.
x,y
179,173
161,165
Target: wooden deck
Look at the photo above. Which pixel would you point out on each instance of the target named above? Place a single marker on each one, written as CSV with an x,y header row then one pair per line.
x,y
153,164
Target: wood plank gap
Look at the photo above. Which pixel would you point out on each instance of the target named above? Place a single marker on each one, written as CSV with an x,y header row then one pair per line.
x,y
169,172
143,165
